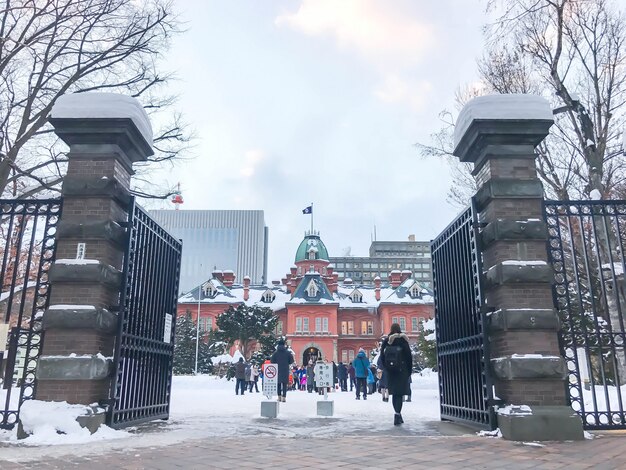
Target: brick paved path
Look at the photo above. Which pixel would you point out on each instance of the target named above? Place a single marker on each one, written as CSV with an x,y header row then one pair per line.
x,y
454,452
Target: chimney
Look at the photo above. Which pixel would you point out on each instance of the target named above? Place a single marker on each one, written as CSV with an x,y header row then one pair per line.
x,y
283,281
246,288
405,275
377,287
293,271
411,238
228,278
329,270
276,282
395,277
335,282
219,275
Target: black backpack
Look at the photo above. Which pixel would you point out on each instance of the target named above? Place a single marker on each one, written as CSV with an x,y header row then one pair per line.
x,y
393,358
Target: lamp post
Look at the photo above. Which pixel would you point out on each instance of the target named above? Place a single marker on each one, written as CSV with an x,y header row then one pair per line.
x,y
198,326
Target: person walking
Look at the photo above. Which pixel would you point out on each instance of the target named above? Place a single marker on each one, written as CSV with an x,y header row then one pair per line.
x,y
361,367
240,376
383,387
283,359
248,374
397,361
254,374
352,377
342,375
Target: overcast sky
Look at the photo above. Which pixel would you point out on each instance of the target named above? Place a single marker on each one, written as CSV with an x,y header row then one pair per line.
x,y
321,101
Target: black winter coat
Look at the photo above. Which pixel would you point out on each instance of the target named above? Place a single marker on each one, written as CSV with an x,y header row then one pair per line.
x,y
284,359
398,382
342,371
240,370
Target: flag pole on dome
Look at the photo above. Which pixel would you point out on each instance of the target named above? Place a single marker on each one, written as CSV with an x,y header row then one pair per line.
x,y
309,210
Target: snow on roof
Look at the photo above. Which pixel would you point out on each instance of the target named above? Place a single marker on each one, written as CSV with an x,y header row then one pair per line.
x,y
511,106
388,295
97,105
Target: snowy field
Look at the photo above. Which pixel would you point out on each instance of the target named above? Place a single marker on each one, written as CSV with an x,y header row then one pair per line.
x,y
207,407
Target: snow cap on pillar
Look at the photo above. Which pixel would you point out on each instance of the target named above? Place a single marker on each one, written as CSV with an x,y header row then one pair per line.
x,y
104,118
500,120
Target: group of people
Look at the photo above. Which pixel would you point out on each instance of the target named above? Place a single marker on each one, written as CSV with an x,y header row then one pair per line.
x,y
391,375
246,377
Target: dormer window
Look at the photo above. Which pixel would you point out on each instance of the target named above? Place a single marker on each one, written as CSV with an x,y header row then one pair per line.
x,y
268,296
312,289
208,289
312,251
356,296
414,291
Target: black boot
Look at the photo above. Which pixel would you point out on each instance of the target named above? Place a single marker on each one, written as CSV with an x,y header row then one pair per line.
x,y
397,419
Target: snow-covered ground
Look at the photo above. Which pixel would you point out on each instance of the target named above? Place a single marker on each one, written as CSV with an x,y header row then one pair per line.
x,y
205,407
613,398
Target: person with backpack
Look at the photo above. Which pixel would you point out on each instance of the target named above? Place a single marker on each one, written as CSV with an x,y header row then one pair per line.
x,y
397,361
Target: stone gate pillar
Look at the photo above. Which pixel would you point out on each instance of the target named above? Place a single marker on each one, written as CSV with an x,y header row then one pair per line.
x,y
499,134
106,134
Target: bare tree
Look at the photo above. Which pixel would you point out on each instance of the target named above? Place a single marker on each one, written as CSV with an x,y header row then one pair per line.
x,y
52,47
572,52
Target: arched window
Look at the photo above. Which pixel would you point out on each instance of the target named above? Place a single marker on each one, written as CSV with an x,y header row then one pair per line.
x,y
414,291
208,289
356,296
312,289
268,296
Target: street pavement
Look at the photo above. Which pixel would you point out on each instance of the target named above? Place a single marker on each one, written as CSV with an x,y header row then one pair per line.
x,y
447,447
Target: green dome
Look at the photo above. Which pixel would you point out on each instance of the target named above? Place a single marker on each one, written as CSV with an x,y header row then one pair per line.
x,y
313,244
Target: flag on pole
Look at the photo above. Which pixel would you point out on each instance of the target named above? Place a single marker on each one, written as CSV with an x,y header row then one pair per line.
x,y
308,210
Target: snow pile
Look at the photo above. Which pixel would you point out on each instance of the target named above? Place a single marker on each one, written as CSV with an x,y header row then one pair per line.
x,y
222,359
77,261
103,105
517,410
494,433
506,107
55,423
236,356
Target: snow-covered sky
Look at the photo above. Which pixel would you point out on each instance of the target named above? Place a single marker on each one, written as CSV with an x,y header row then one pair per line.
x,y
321,101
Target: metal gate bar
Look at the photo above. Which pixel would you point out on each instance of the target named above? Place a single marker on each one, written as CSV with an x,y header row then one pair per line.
x,y
27,251
143,359
465,387
586,249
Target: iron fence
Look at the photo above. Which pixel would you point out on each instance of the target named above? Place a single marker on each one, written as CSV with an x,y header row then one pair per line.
x,y
586,250
27,252
465,388
141,385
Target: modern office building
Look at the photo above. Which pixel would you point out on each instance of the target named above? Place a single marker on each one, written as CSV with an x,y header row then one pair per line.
x,y
385,256
218,240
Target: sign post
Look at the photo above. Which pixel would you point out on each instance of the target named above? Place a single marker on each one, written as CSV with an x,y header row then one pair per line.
x,y
269,409
270,380
324,378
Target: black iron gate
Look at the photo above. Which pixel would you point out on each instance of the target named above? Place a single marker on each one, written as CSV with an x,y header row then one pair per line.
x,y
142,382
465,388
27,249
586,249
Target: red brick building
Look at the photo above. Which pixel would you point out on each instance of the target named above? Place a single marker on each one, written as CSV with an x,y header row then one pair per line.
x,y
318,315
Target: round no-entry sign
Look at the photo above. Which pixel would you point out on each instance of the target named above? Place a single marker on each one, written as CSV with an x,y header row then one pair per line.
x,y
271,371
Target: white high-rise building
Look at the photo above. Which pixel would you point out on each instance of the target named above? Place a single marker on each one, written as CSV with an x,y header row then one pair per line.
x,y
233,240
